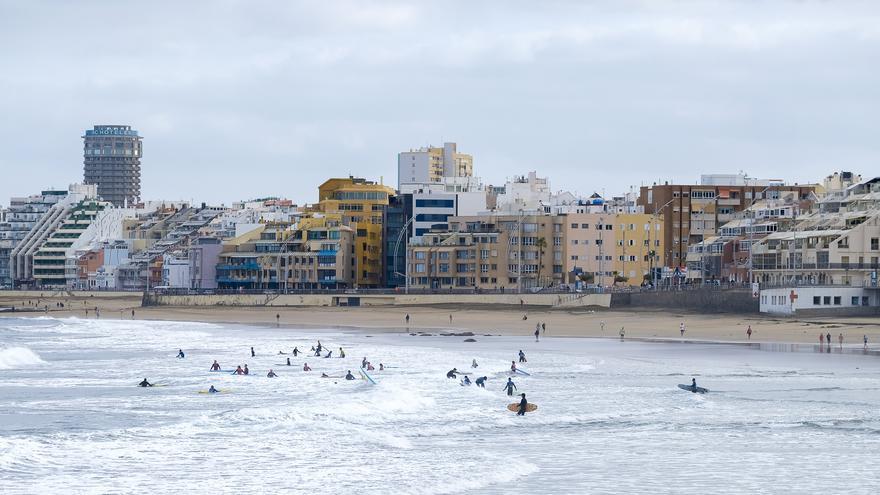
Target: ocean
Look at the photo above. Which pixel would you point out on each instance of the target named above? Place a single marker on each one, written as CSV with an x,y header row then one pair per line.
x,y
610,416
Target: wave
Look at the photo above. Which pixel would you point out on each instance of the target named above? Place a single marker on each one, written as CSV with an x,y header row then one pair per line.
x,y
18,357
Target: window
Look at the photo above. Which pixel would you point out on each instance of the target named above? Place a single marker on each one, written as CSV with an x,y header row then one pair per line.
x,y
826,300
484,268
875,243
854,301
817,300
420,255
574,242
574,257
585,225
574,225
420,267
837,300
435,203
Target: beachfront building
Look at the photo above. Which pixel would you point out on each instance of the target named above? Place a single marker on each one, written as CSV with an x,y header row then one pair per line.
x,y
360,205
837,244
21,216
694,212
613,248
112,161
491,251
317,253
432,164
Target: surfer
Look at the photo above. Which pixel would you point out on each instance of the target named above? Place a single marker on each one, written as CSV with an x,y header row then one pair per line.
x,y
370,366
349,376
828,339
145,383
622,334
522,356
246,370
295,351
306,367
212,390
466,381
238,370
513,366
510,386
694,384
253,354
325,375
215,366
749,332
523,403
681,328
474,364
319,348
341,353
381,367
407,318
364,362
180,354
537,333
452,373
271,374
329,353
288,361
481,381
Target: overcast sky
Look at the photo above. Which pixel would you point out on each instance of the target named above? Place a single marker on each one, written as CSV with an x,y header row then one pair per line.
x,y
238,100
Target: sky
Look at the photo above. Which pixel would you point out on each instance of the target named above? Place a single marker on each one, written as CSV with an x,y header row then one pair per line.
x,y
246,99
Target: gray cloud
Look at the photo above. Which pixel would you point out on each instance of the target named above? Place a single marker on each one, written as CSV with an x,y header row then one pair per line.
x,y
244,99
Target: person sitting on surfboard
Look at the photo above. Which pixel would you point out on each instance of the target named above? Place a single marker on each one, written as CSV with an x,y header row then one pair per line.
x,y
288,361
513,366
510,386
523,403
481,381
341,353
522,356
238,370
180,354
306,367
329,353
349,376
215,366
452,373
212,390
271,374
145,383
370,366
694,384
381,367
466,381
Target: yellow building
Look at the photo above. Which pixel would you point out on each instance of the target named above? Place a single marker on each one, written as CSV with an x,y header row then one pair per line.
x,y
433,164
359,204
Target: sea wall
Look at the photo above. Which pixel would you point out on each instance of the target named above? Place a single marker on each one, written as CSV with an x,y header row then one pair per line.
x,y
545,300
701,301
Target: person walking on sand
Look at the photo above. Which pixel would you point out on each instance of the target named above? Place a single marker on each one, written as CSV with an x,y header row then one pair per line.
x,y
450,318
828,339
865,340
840,340
602,325
407,319
749,332
537,334
622,333
543,327
681,328
277,320
821,338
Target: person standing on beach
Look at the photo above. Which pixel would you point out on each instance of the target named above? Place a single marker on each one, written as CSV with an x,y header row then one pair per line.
x,y
865,339
277,320
510,386
840,340
543,327
523,404
407,319
749,332
828,339
681,328
622,333
132,314
450,318
537,334
602,325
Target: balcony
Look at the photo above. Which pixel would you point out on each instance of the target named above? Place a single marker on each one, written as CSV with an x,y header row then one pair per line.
x,y
253,265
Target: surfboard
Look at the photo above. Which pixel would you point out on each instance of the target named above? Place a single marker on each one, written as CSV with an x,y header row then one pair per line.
x,y
699,390
515,407
523,372
212,393
367,377
221,371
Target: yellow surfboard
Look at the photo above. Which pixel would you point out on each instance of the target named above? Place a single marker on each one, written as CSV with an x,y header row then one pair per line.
x,y
515,407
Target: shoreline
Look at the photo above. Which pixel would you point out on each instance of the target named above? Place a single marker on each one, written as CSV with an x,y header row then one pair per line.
x,y
643,324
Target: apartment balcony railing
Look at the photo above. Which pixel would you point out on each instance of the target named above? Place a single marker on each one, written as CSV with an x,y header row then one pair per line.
x,y
239,266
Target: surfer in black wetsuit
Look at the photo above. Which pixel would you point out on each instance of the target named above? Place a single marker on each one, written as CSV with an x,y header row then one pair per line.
x,y
522,356
253,354
452,373
212,390
481,381
288,361
466,381
349,376
180,354
364,362
295,351
510,386
523,403
694,384
145,383
271,374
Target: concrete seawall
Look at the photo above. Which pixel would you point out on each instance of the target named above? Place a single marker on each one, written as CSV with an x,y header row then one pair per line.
x,y
701,301
544,300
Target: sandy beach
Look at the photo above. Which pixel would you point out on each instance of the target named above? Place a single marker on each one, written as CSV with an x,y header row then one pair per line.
x,y
498,320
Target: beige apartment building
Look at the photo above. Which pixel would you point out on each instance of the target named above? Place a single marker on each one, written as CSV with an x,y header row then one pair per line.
x,y
613,246
510,252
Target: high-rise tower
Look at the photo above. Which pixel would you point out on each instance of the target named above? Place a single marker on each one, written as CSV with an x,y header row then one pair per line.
x,y
112,158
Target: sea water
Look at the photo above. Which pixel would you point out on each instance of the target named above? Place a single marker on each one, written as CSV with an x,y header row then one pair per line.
x,y
611,418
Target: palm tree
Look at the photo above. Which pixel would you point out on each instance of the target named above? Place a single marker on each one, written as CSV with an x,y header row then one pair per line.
x,y
541,244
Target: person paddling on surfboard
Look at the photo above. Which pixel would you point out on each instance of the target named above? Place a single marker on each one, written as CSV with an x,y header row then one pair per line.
x,y
145,383
212,390
510,386
215,366
180,354
271,374
523,404
349,376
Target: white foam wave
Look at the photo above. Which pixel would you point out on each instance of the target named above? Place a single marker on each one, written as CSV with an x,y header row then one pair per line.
x,y
18,357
